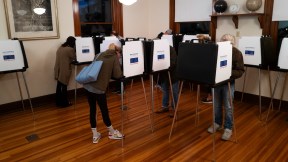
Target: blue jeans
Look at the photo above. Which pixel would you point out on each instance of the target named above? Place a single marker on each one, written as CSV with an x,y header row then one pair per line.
x,y
165,89
221,95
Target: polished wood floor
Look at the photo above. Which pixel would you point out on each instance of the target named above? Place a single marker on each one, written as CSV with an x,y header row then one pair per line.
x,y
64,134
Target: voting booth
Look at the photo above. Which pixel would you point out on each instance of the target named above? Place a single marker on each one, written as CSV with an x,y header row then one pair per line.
x,y
13,59
85,51
283,55
169,38
107,41
282,67
189,38
133,58
133,66
204,63
251,50
13,56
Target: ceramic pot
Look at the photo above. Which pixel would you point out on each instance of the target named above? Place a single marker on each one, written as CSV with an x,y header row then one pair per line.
x,y
220,6
253,5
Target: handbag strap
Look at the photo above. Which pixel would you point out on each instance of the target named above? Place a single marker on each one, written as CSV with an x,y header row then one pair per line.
x,y
97,56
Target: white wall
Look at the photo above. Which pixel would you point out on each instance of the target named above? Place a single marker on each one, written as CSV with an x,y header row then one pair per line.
x,y
41,58
146,18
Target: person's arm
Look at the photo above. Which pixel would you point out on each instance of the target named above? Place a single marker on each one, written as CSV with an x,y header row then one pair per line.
x,y
117,72
237,64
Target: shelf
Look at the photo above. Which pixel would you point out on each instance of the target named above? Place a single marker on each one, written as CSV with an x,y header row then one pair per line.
x,y
235,18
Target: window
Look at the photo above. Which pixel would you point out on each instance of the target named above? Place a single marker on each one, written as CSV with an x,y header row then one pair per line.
x,y
97,17
193,28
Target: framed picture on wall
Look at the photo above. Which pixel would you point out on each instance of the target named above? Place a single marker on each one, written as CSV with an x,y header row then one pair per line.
x,y
32,19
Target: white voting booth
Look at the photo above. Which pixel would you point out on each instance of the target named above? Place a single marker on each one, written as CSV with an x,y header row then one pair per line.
x,y
85,51
251,50
107,41
189,37
283,55
133,65
161,55
133,58
224,62
11,58
169,38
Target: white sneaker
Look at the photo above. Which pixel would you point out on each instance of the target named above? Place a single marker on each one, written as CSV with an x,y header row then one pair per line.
x,y
96,138
115,135
227,134
217,127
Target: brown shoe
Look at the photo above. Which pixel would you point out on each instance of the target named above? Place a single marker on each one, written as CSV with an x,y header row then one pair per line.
x,y
162,110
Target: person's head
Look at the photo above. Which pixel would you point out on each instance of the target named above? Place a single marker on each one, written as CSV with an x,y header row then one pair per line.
x,y
228,37
112,46
203,38
70,41
168,32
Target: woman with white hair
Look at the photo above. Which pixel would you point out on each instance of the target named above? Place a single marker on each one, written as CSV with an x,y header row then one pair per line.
x,y
221,93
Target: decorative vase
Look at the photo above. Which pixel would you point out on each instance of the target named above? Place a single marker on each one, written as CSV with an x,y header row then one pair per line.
x,y
220,6
253,5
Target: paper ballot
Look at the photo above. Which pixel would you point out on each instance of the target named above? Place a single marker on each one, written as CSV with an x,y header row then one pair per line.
x,y
251,50
11,56
133,58
224,61
283,55
169,38
161,55
85,51
107,41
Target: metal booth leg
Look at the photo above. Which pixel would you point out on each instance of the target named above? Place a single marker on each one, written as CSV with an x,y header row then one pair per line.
x,y
272,97
232,107
282,93
176,109
21,95
244,83
28,94
260,106
147,107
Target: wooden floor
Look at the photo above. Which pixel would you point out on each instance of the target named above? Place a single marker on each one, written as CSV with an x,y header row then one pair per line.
x,y
64,134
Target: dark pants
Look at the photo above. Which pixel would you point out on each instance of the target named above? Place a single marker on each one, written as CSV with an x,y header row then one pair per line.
x,y
61,95
94,98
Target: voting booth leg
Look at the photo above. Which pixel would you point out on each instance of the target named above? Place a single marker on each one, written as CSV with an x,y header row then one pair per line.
x,y
282,93
171,88
21,95
75,91
272,97
151,123
176,109
197,106
28,94
213,119
270,85
233,118
260,106
122,111
244,83
152,94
